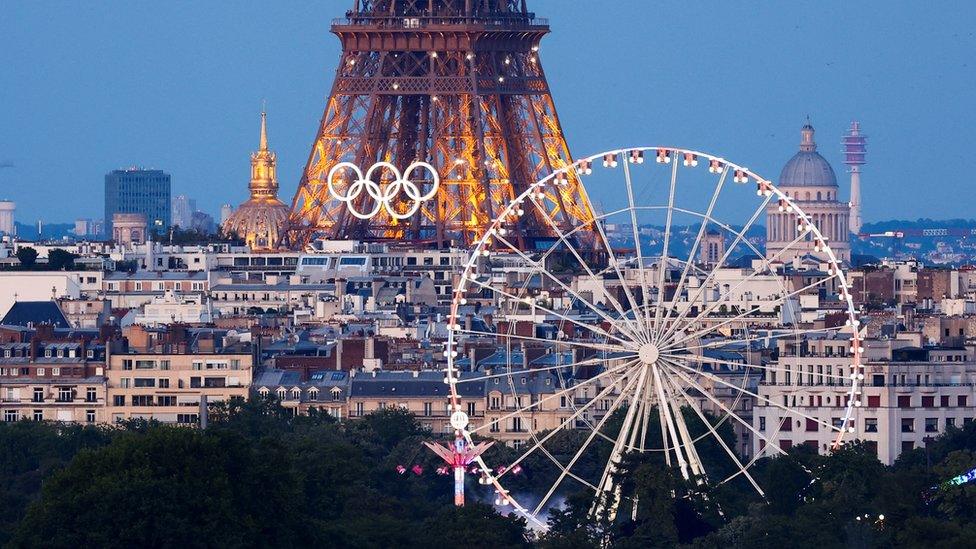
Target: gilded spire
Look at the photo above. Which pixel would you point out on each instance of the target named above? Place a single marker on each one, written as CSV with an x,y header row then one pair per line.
x,y
264,131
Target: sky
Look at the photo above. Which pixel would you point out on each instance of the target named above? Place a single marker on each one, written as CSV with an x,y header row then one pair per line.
x,y
88,87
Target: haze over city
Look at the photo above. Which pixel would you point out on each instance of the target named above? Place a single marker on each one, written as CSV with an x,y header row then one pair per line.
x,y
178,86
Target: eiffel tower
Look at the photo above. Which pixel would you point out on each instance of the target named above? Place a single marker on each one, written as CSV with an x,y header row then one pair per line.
x,y
457,84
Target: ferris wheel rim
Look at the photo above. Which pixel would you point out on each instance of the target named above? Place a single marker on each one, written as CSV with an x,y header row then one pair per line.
x,y
764,184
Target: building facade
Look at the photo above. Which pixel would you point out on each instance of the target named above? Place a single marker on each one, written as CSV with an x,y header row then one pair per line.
x,y
135,190
809,180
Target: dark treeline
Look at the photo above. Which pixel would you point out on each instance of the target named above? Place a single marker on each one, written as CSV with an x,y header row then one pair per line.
x,y
260,477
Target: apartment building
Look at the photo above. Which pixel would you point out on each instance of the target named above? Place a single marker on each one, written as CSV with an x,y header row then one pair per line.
x,y
44,380
910,394
162,375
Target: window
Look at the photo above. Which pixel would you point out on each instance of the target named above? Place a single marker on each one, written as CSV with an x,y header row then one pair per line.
x,y
127,364
66,394
125,382
55,371
787,425
313,394
38,415
195,384
164,365
10,415
359,408
812,425
91,394
962,401
472,407
907,446
944,401
494,426
166,400
145,364
211,382
762,424
950,422
874,401
871,425
428,409
907,425
141,382
164,383
40,372
118,400
185,419
905,401
142,400
90,416
928,402
38,395
931,425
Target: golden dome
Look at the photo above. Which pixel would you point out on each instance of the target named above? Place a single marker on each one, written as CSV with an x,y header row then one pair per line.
x,y
261,220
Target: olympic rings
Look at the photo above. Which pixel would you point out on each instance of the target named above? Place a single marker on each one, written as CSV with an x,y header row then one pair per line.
x,y
383,198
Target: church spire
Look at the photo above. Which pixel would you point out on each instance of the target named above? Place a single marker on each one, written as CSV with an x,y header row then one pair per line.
x,y
264,131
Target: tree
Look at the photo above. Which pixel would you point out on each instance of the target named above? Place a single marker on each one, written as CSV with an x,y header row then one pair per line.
x,y
61,260
27,256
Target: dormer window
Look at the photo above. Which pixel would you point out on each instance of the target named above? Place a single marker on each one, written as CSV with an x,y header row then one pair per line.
x,y
47,353
281,393
263,391
296,393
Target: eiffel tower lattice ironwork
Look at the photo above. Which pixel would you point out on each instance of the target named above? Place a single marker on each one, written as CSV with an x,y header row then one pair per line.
x,y
458,84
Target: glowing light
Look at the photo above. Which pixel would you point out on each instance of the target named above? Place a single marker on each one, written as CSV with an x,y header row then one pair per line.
x,y
383,198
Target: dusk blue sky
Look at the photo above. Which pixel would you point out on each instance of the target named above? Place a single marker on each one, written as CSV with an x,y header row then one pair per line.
x,y
87,87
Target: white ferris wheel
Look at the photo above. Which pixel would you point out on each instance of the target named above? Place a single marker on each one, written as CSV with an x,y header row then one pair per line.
x,y
640,337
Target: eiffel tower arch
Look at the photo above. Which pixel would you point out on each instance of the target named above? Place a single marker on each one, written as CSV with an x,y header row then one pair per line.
x,y
455,83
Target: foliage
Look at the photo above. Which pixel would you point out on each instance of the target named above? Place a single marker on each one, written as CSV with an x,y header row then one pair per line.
x,y
262,476
27,256
60,260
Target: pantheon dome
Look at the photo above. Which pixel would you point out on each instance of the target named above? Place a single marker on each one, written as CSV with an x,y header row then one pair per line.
x,y
808,179
262,219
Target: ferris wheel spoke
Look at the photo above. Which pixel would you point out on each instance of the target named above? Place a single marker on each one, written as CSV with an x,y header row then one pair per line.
x,y
740,237
675,342
541,268
515,299
556,342
588,362
765,265
645,290
694,249
744,365
562,392
663,265
756,396
539,442
760,337
582,450
615,263
674,368
711,429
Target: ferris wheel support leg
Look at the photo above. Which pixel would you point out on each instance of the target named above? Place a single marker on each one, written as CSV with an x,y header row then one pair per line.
x,y
606,480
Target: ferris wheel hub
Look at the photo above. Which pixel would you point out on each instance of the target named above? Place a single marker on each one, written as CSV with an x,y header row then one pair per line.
x,y
648,353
